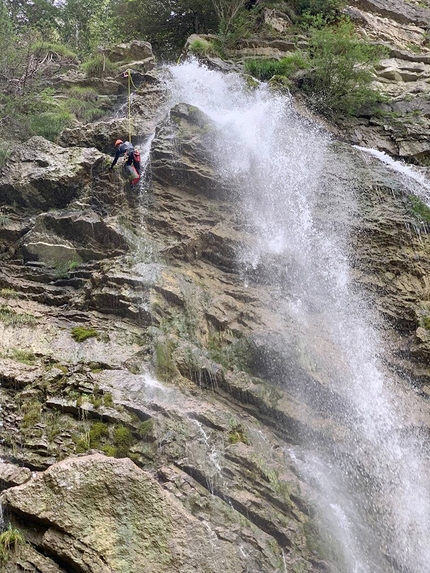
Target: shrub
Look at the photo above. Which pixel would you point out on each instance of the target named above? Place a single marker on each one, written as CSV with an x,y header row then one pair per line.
x,y
99,67
426,322
264,70
339,80
80,333
326,10
43,49
201,47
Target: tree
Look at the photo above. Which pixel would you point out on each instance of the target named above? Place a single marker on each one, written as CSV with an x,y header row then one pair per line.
x,y
340,75
164,23
227,11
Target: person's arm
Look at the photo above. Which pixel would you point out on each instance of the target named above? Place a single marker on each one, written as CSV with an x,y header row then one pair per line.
x,y
117,154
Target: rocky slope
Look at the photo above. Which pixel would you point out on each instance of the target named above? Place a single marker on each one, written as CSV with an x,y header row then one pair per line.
x,y
144,422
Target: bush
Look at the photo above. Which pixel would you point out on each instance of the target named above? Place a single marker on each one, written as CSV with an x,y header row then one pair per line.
x,y
264,70
339,81
325,10
43,49
201,47
99,67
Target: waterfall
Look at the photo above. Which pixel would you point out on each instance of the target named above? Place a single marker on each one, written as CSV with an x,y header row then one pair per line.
x,y
297,196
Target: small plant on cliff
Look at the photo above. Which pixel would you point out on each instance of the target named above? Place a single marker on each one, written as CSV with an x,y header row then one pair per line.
x,y
11,318
99,67
426,322
201,47
4,155
237,433
122,438
10,542
420,208
80,333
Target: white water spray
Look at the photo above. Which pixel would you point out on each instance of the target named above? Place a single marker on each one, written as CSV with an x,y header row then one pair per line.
x,y
378,501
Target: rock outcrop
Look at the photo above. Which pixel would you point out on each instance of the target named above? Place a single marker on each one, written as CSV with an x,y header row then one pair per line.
x,y
152,403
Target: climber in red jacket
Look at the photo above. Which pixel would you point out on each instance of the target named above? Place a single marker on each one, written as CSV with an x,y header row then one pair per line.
x,y
126,148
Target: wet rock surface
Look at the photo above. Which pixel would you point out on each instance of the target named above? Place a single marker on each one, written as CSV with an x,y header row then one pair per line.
x,y
155,396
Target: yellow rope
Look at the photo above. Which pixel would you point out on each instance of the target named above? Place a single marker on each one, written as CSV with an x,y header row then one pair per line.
x,y
129,105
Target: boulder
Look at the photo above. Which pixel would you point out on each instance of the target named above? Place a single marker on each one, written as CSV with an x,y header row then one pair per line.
x,y
102,514
137,50
11,475
42,175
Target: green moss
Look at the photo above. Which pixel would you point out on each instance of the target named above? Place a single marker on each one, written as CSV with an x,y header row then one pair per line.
x,y
420,208
8,293
165,367
98,431
146,428
81,333
99,67
108,400
237,434
426,322
24,356
110,450
122,438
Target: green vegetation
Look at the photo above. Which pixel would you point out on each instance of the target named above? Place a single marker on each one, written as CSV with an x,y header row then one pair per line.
x,y
146,428
419,208
201,47
426,322
324,11
237,433
10,542
264,70
8,293
4,155
337,78
32,411
10,317
24,356
50,124
81,333
232,355
340,75
122,438
165,367
99,67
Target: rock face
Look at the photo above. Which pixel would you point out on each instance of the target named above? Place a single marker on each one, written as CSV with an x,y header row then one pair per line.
x,y
108,515
151,401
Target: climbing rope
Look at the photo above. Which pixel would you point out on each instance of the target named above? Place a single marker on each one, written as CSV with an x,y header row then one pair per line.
x,y
130,83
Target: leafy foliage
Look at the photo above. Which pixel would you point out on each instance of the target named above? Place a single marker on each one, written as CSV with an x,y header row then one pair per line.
x,y
266,69
340,75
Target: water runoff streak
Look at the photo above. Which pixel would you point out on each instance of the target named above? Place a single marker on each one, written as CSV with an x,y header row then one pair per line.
x,y
295,193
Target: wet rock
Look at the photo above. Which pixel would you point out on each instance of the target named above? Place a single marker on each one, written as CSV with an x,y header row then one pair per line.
x,y
82,505
42,175
11,475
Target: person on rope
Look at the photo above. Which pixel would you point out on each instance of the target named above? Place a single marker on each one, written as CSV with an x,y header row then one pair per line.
x,y
126,148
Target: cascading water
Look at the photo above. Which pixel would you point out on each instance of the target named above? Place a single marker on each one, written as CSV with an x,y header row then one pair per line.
x,y
296,196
